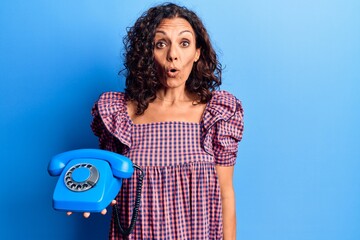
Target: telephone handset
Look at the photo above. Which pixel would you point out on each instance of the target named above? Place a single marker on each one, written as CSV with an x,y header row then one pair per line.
x,y
90,179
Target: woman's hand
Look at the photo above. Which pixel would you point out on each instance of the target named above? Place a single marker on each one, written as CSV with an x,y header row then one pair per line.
x,y
87,214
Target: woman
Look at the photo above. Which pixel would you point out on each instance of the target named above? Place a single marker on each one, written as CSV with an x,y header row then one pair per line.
x,y
173,123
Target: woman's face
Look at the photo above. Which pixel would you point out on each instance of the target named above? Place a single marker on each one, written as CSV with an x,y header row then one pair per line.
x,y
175,51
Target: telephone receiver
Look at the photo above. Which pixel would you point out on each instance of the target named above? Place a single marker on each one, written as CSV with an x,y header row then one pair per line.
x,y
89,179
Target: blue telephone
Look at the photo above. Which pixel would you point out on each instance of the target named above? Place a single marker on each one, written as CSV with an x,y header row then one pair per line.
x,y
89,179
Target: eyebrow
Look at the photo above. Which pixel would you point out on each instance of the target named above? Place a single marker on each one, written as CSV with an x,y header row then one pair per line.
x,y
185,31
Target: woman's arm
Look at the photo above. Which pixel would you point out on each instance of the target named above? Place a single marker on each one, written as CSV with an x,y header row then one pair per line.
x,y
225,175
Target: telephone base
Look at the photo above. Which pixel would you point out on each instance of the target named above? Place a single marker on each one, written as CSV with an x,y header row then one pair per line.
x,y
94,199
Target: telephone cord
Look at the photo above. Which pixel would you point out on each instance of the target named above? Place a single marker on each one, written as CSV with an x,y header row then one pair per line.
x,y
128,230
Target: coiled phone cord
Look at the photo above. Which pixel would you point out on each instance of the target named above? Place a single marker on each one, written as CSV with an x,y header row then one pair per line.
x,y
127,231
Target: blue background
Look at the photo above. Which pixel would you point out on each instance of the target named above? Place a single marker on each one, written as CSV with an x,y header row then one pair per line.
x,y
294,64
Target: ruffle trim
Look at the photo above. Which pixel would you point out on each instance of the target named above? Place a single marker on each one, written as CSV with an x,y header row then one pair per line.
x,y
226,113
222,107
113,111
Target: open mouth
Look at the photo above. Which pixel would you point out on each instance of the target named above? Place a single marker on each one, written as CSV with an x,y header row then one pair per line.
x,y
172,72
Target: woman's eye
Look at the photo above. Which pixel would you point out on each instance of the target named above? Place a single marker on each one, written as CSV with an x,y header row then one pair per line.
x,y
185,43
160,45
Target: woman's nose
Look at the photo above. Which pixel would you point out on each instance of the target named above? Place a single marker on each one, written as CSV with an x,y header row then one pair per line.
x,y
172,54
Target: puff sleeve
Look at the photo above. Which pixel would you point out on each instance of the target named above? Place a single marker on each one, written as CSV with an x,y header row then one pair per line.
x,y
110,122
227,135
223,128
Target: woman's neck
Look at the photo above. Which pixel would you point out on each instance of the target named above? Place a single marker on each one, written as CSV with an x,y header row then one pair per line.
x,y
175,96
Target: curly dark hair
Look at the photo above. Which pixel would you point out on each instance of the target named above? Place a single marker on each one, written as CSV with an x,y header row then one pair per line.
x,y
142,80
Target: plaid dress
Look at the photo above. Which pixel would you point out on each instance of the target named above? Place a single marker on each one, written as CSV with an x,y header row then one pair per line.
x,y
180,195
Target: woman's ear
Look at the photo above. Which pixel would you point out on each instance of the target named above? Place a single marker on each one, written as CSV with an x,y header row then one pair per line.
x,y
197,54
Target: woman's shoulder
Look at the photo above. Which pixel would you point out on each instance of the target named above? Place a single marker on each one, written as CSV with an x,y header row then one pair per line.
x,y
223,105
223,120
112,97
110,102
110,111
223,95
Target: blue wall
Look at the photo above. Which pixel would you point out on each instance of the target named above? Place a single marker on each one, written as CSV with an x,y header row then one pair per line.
x,y
294,64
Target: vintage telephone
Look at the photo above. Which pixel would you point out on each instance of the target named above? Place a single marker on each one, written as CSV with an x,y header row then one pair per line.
x,y
90,179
